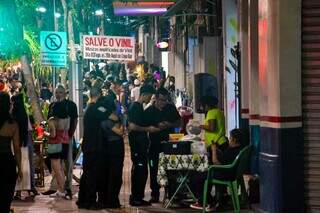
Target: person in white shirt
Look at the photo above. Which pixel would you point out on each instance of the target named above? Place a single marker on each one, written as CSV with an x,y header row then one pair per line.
x,y
135,92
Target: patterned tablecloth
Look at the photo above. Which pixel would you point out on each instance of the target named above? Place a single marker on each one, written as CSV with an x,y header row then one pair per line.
x,y
194,162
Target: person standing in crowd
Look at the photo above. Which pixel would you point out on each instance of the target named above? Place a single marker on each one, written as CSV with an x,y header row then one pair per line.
x,y
20,115
114,94
124,104
171,88
58,144
112,157
91,147
122,76
115,89
9,131
135,92
45,93
71,107
165,116
96,72
214,127
139,143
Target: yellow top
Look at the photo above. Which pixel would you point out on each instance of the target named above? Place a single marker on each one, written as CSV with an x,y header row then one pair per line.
x,y
218,135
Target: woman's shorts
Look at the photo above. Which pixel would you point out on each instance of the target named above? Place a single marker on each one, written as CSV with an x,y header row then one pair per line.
x,y
62,155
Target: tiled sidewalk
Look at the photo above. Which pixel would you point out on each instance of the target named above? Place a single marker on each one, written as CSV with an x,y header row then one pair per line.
x,y
44,204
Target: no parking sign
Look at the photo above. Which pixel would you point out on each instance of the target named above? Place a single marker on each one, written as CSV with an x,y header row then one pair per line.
x,y
53,48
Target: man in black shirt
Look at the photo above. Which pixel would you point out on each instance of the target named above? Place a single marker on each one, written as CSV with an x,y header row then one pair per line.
x,y
165,116
139,143
45,93
91,145
111,159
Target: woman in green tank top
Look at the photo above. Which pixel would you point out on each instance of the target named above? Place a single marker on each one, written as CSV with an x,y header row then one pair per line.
x,y
214,124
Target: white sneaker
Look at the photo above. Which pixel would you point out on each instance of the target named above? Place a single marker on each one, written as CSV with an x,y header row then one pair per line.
x,y
209,208
57,195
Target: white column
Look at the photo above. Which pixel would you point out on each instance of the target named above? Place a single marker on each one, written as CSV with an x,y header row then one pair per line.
x,y
230,31
244,42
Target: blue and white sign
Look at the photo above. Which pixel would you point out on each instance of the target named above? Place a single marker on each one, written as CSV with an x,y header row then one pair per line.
x,y
53,48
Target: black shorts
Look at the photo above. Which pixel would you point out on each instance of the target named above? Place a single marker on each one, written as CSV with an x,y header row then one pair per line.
x,y
62,155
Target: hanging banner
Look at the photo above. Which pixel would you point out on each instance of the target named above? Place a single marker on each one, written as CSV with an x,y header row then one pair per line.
x,y
109,47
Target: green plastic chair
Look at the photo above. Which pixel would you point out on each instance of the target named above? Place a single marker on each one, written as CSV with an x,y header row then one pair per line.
x,y
240,165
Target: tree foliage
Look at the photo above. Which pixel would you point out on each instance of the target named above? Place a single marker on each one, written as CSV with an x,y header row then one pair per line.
x,y
11,33
26,11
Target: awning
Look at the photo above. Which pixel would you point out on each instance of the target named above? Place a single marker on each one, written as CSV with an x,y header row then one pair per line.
x,y
180,5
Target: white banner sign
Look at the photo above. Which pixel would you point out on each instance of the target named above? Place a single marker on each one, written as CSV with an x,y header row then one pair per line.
x,y
109,47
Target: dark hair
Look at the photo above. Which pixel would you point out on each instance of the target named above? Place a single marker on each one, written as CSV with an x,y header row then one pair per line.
x,y
60,110
106,84
147,89
20,115
116,82
95,92
162,91
209,101
87,83
97,82
238,136
108,103
4,108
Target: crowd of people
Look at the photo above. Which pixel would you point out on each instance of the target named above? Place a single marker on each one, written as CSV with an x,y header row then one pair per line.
x,y
143,108
140,108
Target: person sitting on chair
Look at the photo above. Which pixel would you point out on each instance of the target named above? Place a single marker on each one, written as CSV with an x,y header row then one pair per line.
x,y
218,157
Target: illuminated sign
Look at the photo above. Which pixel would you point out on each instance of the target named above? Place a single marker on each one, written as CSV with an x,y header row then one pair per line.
x,y
163,45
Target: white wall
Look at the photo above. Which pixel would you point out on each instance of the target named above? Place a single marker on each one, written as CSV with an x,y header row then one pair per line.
x,y
165,61
230,28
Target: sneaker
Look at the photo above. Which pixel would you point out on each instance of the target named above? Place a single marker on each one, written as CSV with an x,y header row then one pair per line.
x,y
209,208
68,195
196,206
57,195
49,192
33,193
